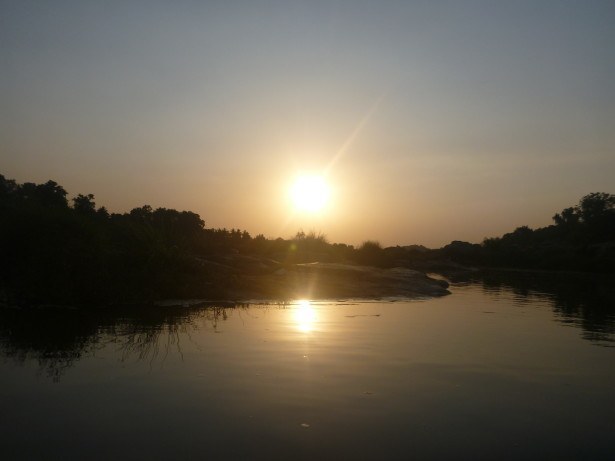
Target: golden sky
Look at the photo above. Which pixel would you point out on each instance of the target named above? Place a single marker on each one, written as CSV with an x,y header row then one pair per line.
x,y
431,121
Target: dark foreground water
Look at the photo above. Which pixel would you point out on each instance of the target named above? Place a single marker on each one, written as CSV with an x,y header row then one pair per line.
x,y
520,366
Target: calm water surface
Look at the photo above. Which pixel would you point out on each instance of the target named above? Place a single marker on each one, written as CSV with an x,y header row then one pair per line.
x,y
507,367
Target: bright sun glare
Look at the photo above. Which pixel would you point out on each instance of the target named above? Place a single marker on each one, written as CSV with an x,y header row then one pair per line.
x,y
305,316
310,193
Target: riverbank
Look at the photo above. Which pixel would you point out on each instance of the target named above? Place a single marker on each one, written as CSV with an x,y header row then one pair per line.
x,y
238,279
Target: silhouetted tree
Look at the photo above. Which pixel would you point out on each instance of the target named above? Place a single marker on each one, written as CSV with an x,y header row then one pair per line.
x,y
591,221
84,204
567,218
8,188
596,206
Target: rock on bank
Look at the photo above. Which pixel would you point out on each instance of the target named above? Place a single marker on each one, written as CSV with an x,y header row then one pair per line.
x,y
330,280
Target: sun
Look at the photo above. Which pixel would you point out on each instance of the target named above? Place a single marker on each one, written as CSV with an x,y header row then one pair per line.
x,y
310,193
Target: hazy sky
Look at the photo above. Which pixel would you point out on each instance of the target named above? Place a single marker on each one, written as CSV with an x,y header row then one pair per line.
x,y
433,120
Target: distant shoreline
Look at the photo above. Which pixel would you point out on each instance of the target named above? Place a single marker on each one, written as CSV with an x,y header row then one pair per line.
x,y
54,252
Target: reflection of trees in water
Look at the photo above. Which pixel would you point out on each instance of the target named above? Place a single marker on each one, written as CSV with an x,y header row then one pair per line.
x,y
583,300
54,339
57,338
146,337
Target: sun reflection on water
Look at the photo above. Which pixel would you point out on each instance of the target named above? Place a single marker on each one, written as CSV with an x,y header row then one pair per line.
x,y
305,316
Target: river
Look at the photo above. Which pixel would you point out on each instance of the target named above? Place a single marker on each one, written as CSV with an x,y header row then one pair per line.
x,y
509,366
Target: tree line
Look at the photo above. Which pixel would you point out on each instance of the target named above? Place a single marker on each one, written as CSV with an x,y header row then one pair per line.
x,y
581,238
59,251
